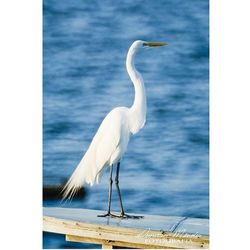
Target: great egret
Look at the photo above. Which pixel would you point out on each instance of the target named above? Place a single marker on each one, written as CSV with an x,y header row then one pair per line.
x,y
111,139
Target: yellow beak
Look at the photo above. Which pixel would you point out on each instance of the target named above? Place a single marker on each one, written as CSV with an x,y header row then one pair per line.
x,y
154,44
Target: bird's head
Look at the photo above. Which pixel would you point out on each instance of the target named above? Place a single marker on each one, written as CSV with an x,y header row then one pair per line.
x,y
139,44
144,44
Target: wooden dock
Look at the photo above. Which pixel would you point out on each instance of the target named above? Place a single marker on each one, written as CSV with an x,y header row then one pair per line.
x,y
150,232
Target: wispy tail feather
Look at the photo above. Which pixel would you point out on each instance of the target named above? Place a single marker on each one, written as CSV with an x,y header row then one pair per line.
x,y
85,173
88,171
76,181
70,189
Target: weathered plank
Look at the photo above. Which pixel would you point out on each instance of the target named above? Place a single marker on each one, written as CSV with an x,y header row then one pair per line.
x,y
152,231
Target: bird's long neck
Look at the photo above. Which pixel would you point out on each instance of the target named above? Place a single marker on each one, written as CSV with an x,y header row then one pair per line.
x,y
138,109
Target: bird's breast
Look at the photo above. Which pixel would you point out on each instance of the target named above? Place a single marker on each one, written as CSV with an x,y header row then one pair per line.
x,y
120,150
122,144
136,121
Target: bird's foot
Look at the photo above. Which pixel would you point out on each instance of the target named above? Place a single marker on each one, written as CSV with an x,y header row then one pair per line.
x,y
121,216
129,216
108,214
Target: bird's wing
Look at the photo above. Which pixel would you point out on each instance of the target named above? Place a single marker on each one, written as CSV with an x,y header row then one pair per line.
x,y
109,138
101,150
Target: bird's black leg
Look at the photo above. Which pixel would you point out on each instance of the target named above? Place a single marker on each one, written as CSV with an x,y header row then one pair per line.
x,y
110,194
122,215
118,188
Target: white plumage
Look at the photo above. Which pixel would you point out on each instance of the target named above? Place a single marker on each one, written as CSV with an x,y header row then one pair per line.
x,y
111,139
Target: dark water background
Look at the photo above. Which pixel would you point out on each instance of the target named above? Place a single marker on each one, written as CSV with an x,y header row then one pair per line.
x,y
165,169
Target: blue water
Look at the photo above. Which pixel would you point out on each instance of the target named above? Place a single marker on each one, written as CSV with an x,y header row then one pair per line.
x,y
165,169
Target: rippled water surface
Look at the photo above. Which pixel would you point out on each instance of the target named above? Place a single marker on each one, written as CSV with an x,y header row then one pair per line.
x,y
165,169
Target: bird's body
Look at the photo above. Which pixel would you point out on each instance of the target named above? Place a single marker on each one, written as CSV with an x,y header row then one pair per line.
x,y
111,139
107,147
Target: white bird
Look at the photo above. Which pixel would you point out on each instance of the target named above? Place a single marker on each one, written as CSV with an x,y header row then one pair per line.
x,y
111,139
